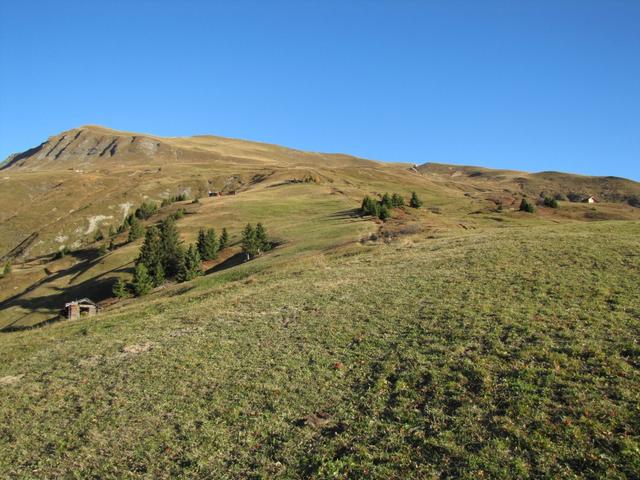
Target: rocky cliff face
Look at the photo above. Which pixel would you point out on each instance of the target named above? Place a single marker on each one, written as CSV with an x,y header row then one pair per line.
x,y
86,147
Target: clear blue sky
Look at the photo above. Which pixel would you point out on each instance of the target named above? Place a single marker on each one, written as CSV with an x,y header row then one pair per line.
x,y
533,85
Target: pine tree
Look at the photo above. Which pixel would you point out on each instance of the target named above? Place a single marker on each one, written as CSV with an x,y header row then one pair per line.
x,y
151,256
136,230
370,206
98,236
224,239
142,282
190,265
386,200
170,247
249,243
415,202
211,245
397,200
119,288
202,240
384,212
262,241
7,268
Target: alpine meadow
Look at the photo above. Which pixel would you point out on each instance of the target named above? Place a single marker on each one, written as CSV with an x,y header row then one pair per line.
x,y
191,288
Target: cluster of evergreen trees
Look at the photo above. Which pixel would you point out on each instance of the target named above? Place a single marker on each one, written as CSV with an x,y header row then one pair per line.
x,y
255,241
209,245
382,208
163,257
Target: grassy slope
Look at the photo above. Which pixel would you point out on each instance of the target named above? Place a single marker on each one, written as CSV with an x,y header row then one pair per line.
x,y
495,353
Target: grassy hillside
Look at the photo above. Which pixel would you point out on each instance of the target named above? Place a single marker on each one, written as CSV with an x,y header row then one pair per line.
x,y
487,353
464,339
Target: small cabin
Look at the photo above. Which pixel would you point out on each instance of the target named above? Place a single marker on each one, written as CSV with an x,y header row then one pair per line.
x,y
213,193
590,199
77,308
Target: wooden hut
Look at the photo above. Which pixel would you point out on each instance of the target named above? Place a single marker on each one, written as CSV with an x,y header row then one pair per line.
x,y
77,308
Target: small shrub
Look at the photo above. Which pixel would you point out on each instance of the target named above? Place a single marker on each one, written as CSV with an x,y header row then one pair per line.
x,y
526,206
550,202
63,252
146,210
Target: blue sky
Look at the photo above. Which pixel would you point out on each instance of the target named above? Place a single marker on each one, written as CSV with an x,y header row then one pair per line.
x,y
532,85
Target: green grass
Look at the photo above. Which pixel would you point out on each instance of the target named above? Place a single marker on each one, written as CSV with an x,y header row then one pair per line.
x,y
498,353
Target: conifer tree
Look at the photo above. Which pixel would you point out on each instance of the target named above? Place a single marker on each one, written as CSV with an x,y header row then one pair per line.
x,y
415,201
211,245
142,282
119,288
384,213
249,243
7,268
170,247
370,206
136,230
190,265
262,241
98,236
386,201
397,200
202,240
224,239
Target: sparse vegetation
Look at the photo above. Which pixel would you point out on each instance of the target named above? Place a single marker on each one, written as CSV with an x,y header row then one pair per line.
x,y
62,252
6,269
550,202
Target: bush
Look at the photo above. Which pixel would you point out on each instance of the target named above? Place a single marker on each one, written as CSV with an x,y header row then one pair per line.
x,y
526,206
634,201
146,210
98,236
7,268
550,202
63,252
102,249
